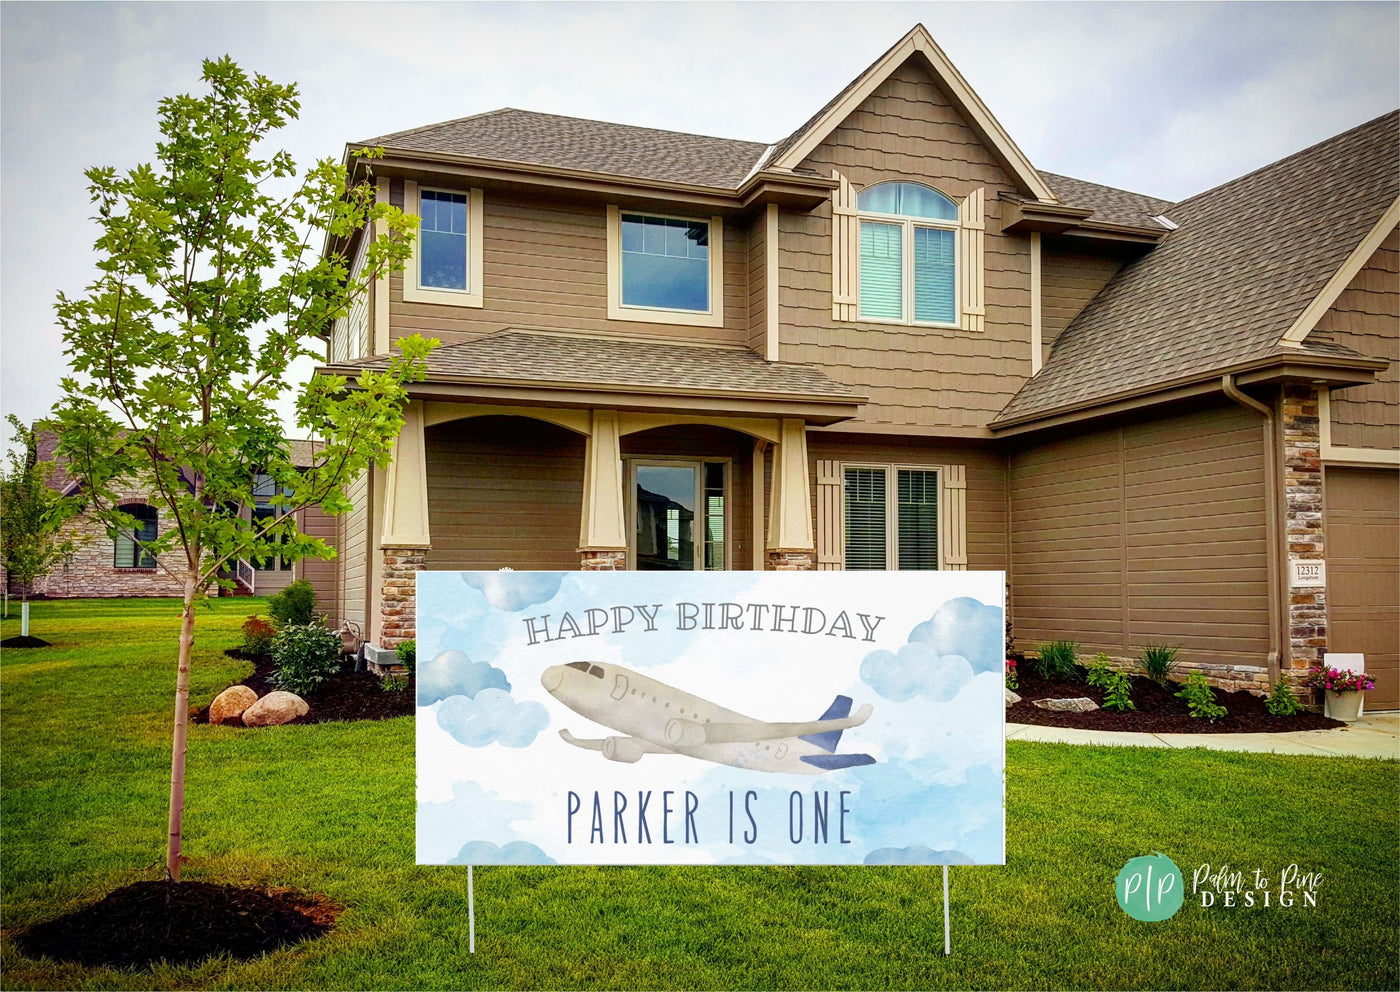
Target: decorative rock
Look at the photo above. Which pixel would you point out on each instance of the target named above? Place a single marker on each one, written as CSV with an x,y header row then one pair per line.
x,y
1079,704
229,705
1011,698
275,708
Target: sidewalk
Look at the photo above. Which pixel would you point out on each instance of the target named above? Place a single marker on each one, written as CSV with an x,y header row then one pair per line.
x,y
1373,736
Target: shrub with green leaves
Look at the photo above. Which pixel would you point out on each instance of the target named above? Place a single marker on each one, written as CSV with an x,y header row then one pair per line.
x,y
1200,698
257,637
394,683
305,655
407,652
1100,673
1119,694
1058,660
1158,661
1282,702
294,605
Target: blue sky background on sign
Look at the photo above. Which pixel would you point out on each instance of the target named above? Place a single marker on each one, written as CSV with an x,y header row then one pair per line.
x,y
494,775
1167,99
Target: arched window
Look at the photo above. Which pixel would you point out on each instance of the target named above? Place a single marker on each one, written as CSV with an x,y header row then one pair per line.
x,y
126,549
908,254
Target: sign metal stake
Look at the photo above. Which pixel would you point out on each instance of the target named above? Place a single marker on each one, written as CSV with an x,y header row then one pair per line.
x,y
947,930
471,908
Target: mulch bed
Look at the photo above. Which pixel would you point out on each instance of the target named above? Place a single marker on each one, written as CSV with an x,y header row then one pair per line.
x,y
19,641
1158,709
179,922
350,695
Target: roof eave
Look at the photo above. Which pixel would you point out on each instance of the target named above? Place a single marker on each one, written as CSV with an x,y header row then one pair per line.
x,y
1023,217
1332,371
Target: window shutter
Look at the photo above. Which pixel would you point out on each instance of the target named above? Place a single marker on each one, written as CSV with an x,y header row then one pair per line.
x,y
953,520
972,231
831,547
845,247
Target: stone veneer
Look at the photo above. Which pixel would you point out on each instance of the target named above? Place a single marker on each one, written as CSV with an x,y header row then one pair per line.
x,y
1230,678
397,609
1302,471
89,572
791,561
602,561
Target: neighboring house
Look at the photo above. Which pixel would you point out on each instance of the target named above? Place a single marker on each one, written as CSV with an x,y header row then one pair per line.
x,y
889,341
111,566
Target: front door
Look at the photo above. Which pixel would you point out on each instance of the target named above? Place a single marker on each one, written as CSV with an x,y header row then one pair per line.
x,y
679,519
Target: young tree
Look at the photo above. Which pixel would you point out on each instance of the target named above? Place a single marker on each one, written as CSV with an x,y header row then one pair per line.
x,y
209,286
30,545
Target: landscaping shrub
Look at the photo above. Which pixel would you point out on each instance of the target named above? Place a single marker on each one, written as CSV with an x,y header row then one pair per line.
x,y
1158,660
407,652
305,655
294,605
1200,698
257,637
1282,702
1100,674
394,683
1058,660
1118,697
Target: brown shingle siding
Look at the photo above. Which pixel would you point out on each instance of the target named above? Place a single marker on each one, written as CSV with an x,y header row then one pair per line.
x,y
1366,318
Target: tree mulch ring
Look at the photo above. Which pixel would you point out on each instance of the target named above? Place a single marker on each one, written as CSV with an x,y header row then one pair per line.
x,y
179,922
1158,710
19,641
349,695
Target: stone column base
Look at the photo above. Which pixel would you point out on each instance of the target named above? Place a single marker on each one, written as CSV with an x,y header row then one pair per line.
x,y
397,605
791,561
591,560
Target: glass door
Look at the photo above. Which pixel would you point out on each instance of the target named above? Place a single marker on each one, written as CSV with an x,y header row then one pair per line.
x,y
678,513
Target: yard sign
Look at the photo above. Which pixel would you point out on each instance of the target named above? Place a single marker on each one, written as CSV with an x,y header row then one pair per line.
x,y
617,718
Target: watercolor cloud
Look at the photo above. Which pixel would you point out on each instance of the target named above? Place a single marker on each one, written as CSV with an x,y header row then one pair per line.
x,y
915,854
491,717
517,852
514,591
452,673
917,670
967,628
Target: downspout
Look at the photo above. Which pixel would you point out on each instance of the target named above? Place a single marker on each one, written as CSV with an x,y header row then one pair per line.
x,y
1272,514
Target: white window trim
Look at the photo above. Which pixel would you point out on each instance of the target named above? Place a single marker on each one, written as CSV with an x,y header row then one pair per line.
x,y
469,297
714,317
909,223
892,470
630,465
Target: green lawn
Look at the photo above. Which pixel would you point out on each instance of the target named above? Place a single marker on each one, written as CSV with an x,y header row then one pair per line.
x,y
84,746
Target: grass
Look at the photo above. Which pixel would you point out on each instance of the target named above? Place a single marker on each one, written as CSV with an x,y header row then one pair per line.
x,y
329,808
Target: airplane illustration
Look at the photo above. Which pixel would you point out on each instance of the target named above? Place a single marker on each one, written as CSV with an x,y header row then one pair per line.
x,y
661,719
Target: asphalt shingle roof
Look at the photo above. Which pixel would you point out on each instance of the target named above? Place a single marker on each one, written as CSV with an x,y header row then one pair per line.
x,y
1110,205
549,140
1245,261
634,366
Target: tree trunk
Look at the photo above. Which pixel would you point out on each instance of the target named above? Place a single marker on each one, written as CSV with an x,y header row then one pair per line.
x,y
182,721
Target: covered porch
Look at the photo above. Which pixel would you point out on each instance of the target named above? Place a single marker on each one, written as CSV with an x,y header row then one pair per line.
x,y
534,451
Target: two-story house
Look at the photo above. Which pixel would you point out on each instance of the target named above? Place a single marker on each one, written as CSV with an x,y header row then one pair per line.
x,y
888,341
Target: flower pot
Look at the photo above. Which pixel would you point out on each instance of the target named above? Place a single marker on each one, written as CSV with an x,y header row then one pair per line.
x,y
1345,705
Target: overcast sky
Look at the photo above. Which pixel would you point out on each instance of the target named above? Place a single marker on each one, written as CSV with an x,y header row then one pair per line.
x,y
1167,99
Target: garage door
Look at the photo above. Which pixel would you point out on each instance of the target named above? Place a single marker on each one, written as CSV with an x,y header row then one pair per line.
x,y
1363,573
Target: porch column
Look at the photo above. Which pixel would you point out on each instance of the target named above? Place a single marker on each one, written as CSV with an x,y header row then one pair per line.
x,y
603,532
790,545
404,538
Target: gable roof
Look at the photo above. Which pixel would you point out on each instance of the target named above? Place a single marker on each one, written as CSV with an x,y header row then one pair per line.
x,y
1244,263
917,44
1110,205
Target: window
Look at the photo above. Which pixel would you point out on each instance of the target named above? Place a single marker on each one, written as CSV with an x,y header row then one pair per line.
x,y
890,526
679,516
908,254
126,548
447,253
264,488
665,269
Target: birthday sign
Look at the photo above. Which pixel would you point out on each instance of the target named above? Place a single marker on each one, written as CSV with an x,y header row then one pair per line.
x,y
710,718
